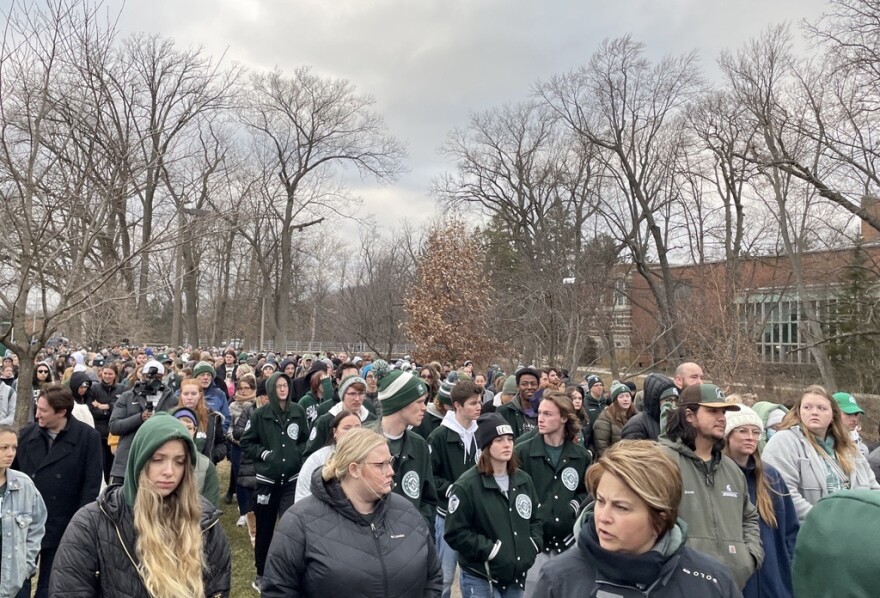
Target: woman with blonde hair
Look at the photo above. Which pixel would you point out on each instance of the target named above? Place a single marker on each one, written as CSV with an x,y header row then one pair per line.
x,y
353,537
777,518
813,452
152,537
630,540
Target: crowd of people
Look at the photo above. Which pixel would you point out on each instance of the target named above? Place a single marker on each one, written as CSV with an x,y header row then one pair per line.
x,y
353,476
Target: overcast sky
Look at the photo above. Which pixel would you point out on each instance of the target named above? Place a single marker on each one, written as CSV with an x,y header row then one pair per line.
x,y
431,63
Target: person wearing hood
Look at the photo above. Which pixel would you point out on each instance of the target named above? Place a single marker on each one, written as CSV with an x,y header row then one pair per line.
x,y
81,388
274,438
353,391
771,415
556,463
722,521
320,386
152,536
519,412
777,517
660,396
453,449
630,539
62,456
353,537
403,399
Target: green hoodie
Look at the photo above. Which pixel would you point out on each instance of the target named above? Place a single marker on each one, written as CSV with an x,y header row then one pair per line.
x,y
275,439
836,548
154,432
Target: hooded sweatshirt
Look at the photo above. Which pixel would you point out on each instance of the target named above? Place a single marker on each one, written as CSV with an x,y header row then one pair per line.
x,y
155,432
275,437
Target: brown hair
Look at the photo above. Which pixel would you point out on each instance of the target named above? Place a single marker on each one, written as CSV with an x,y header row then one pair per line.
x,y
643,467
618,414
566,411
200,408
763,500
58,396
484,463
464,390
845,450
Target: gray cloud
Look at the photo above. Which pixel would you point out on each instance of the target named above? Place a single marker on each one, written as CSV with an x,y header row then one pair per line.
x,y
430,63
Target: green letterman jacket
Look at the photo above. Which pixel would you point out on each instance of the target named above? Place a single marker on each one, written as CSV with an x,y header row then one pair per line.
x,y
497,537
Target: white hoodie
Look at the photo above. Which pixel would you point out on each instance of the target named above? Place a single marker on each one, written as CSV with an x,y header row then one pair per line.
x,y
466,435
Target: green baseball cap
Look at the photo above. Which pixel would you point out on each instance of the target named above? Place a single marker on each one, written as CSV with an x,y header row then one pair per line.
x,y
707,395
847,403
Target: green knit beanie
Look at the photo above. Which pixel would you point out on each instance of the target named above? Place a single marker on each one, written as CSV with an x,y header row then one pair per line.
x,y
202,367
445,392
153,433
397,388
618,389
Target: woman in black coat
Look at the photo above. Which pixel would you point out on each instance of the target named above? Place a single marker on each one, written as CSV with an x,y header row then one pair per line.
x,y
353,537
153,536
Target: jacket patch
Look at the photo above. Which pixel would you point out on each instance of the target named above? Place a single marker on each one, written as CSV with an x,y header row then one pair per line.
x,y
524,506
453,504
313,434
570,478
293,431
730,492
410,484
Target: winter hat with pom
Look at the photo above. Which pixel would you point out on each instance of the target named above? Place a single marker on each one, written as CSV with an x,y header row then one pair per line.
x,y
397,388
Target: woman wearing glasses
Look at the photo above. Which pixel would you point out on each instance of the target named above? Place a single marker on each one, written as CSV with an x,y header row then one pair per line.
x,y
353,537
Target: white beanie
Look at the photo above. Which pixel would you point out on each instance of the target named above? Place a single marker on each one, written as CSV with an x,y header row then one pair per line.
x,y
746,416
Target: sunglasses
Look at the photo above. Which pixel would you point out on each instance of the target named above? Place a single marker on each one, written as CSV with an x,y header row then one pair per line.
x,y
42,371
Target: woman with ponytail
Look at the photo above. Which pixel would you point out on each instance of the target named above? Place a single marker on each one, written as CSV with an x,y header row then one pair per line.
x,y
767,490
154,536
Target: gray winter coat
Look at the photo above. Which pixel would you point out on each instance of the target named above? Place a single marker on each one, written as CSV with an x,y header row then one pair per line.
x,y
323,547
803,469
126,419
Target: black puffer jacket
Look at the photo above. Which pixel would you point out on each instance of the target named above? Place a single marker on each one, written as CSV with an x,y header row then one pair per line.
x,y
323,547
97,553
646,425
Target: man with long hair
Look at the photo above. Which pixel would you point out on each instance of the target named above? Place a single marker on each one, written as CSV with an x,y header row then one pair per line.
x,y
557,464
722,521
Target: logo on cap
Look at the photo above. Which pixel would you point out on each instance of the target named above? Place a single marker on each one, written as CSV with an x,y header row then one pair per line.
x,y
504,429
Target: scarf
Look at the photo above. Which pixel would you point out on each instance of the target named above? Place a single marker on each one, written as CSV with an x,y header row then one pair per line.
x,y
244,397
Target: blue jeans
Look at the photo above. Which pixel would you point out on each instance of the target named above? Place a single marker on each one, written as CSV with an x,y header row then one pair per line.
x,y
477,587
448,557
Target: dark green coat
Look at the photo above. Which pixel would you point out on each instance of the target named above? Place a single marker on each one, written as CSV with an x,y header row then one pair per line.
x,y
310,403
413,476
321,429
521,423
448,461
429,423
275,440
491,531
561,487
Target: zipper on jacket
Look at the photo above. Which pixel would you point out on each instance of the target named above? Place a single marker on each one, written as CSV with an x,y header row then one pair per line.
x,y
381,558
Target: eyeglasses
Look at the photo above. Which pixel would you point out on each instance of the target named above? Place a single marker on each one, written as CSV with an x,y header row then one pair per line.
x,y
384,466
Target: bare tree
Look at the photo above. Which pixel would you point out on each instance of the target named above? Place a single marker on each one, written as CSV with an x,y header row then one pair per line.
x,y
312,127
628,109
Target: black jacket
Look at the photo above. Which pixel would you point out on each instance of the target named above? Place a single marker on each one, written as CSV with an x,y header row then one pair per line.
x,y
126,420
646,425
679,572
323,547
105,395
68,475
97,553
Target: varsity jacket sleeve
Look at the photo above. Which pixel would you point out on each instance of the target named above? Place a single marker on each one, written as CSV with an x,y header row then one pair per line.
x,y
435,443
460,534
251,443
